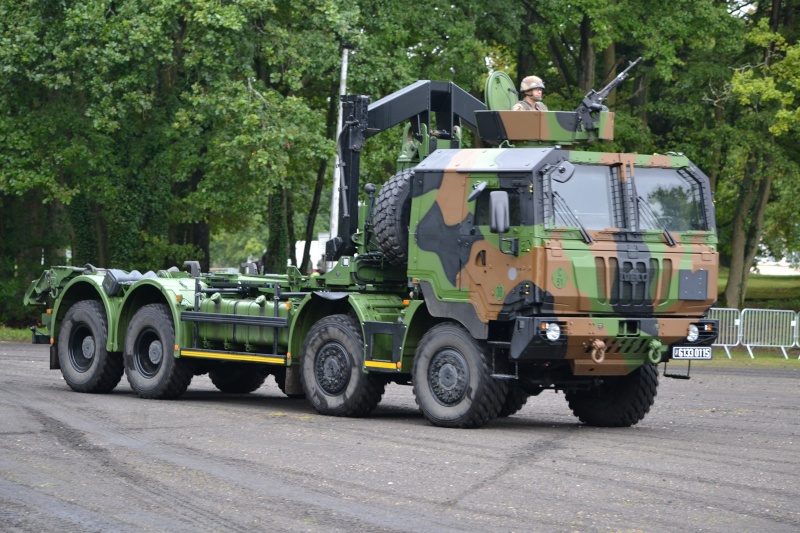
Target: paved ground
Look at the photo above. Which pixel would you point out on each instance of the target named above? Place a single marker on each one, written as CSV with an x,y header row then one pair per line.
x,y
717,453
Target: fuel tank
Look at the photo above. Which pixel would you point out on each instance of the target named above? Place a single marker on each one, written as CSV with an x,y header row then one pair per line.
x,y
237,319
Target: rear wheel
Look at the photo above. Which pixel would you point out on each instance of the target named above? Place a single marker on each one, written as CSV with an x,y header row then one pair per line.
x,y
452,383
82,356
332,376
152,370
237,378
618,401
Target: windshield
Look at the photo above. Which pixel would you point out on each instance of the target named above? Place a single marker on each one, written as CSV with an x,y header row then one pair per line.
x,y
595,198
588,196
674,197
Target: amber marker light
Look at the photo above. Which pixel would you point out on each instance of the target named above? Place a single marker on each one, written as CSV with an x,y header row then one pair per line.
x,y
177,347
399,365
406,302
178,298
288,305
49,311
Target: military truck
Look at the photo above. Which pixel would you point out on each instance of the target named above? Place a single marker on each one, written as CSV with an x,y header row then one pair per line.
x,y
479,276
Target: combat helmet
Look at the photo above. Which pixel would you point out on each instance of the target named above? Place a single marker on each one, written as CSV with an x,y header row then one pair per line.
x,y
531,82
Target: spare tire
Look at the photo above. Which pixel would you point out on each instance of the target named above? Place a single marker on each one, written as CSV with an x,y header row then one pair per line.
x,y
392,214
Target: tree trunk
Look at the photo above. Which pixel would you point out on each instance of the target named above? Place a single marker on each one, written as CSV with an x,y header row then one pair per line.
x,y
587,56
322,170
277,243
524,46
610,67
639,98
757,224
737,275
717,157
564,67
290,228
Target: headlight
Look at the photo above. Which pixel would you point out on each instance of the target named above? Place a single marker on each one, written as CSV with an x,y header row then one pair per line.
x,y
693,333
553,331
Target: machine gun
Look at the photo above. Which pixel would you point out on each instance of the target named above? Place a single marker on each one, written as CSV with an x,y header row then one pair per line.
x,y
593,102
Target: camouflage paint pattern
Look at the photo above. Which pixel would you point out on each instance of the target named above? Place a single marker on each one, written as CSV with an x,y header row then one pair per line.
x,y
618,280
545,127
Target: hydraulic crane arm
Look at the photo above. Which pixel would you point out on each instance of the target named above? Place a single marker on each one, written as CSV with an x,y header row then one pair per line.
x,y
451,105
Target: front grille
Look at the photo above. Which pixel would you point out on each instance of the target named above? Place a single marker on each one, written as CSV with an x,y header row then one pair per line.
x,y
632,283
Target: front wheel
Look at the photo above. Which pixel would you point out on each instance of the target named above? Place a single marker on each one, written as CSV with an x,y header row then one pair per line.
x,y
85,363
152,370
333,380
618,401
452,383
515,400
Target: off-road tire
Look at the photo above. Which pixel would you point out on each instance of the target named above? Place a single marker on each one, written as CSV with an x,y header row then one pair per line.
x,y
618,401
280,379
391,216
332,376
152,370
452,383
85,363
237,378
515,400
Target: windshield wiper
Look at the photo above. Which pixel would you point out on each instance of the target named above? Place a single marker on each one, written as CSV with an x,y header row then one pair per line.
x,y
572,217
653,220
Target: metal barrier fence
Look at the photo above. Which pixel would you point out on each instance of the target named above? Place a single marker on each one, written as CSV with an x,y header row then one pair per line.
x,y
729,330
751,328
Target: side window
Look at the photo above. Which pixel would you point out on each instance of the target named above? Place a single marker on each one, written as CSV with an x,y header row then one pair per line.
x,y
482,209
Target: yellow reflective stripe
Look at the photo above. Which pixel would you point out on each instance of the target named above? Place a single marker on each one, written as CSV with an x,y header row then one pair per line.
x,y
380,364
233,357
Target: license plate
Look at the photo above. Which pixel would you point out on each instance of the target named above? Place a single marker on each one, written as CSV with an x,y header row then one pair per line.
x,y
691,353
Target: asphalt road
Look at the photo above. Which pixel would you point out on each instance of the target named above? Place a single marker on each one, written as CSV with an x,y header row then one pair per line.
x,y
720,452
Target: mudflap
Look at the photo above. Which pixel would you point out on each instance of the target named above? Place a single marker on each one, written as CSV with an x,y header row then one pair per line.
x,y
54,357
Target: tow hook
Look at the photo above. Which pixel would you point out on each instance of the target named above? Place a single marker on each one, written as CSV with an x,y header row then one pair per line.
x,y
654,351
598,353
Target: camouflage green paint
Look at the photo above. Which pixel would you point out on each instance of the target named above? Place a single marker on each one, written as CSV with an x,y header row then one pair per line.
x,y
541,127
626,278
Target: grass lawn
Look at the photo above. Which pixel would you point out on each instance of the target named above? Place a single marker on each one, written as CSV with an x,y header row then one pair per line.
x,y
764,358
14,335
767,292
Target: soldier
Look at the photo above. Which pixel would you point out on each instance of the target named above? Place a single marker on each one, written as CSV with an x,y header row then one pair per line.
x,y
532,87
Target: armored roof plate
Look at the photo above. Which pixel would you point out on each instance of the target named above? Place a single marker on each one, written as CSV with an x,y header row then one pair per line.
x,y
485,160
499,92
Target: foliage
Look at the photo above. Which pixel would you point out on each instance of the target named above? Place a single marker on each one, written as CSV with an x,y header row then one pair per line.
x,y
140,134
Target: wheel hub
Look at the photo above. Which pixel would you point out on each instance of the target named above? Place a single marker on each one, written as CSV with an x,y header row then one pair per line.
x,y
148,353
332,368
155,353
87,347
448,376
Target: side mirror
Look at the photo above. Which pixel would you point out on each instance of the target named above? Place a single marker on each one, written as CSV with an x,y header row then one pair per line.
x,y
500,218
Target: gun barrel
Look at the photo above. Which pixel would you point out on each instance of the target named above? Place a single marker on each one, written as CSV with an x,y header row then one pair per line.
x,y
593,101
630,66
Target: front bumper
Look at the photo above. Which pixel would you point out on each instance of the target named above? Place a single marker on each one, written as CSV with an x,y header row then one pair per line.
x,y
598,344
